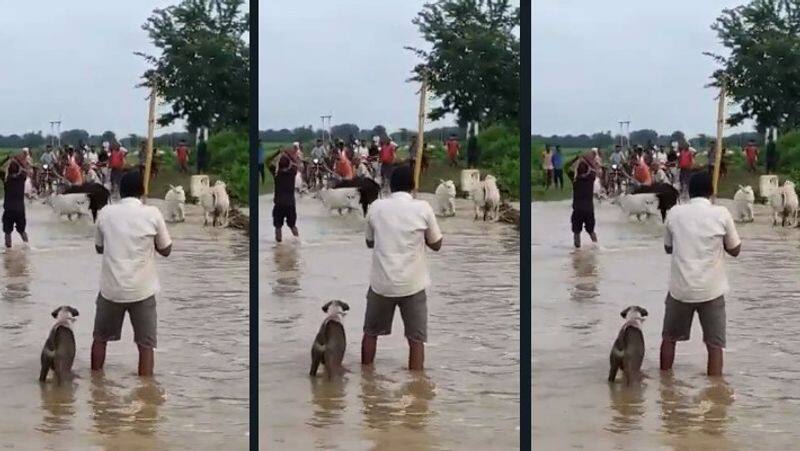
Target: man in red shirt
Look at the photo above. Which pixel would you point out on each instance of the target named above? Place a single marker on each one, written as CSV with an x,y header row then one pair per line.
x,y
387,155
183,156
685,163
751,153
452,150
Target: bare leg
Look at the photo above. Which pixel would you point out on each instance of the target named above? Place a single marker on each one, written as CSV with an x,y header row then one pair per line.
x,y
369,345
714,360
278,234
295,232
24,236
146,361
594,237
8,240
416,355
98,355
667,355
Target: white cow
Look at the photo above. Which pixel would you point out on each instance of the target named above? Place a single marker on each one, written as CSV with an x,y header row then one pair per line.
x,y
445,198
175,201
638,205
69,204
743,202
486,198
340,199
216,203
784,203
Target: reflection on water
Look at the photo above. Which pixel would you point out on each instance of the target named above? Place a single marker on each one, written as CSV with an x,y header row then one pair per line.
x,y
199,396
574,406
17,271
584,265
468,396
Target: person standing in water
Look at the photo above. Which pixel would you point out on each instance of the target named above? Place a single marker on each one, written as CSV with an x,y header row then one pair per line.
x,y
584,171
14,198
399,228
698,235
128,235
285,210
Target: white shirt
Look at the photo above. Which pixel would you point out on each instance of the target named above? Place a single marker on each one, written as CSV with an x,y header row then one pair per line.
x,y
696,232
399,226
127,232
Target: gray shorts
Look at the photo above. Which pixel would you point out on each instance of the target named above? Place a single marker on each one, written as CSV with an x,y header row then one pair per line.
x,y
678,320
110,315
380,314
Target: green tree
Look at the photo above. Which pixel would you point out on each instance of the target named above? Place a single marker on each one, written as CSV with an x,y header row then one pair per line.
x,y
762,71
474,61
203,68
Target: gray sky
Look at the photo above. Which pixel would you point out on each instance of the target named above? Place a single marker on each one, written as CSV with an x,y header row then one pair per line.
x,y
74,60
344,57
596,63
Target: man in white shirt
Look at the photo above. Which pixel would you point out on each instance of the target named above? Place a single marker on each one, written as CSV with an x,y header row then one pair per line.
x,y
697,235
128,234
398,230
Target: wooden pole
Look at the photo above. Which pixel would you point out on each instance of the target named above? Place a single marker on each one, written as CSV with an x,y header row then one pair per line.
x,y
151,125
420,131
720,130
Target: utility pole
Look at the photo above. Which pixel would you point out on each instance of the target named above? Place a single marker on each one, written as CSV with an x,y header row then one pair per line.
x,y
151,125
720,131
423,92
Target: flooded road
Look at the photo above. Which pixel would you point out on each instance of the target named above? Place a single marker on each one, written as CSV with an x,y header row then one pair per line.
x,y
468,397
577,297
198,398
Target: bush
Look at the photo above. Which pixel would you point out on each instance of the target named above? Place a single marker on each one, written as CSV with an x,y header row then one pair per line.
x,y
228,153
499,145
788,147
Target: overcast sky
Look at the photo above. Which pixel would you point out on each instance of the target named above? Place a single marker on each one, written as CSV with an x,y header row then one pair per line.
x,y
344,58
74,61
596,63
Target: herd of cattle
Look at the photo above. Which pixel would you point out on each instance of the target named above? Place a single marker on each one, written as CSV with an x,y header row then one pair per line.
x,y
360,191
89,198
658,198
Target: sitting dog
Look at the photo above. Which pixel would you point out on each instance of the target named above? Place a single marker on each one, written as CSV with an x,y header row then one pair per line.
x,y
628,350
59,349
330,343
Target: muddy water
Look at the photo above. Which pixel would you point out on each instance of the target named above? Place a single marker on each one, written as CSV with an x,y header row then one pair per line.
x,y
467,398
198,398
577,297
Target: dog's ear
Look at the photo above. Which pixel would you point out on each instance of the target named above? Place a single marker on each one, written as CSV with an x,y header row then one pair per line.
x,y
325,307
74,311
55,312
345,307
643,311
624,313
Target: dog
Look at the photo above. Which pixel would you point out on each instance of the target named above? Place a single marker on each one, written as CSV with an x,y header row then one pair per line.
x,y
330,343
627,353
59,349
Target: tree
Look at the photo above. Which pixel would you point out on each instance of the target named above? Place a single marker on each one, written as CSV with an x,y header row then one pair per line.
x,y
643,137
343,131
203,69
762,71
108,136
678,137
74,136
379,131
474,60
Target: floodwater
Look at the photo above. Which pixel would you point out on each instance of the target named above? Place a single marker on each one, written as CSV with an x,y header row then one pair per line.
x,y
468,396
198,398
577,298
